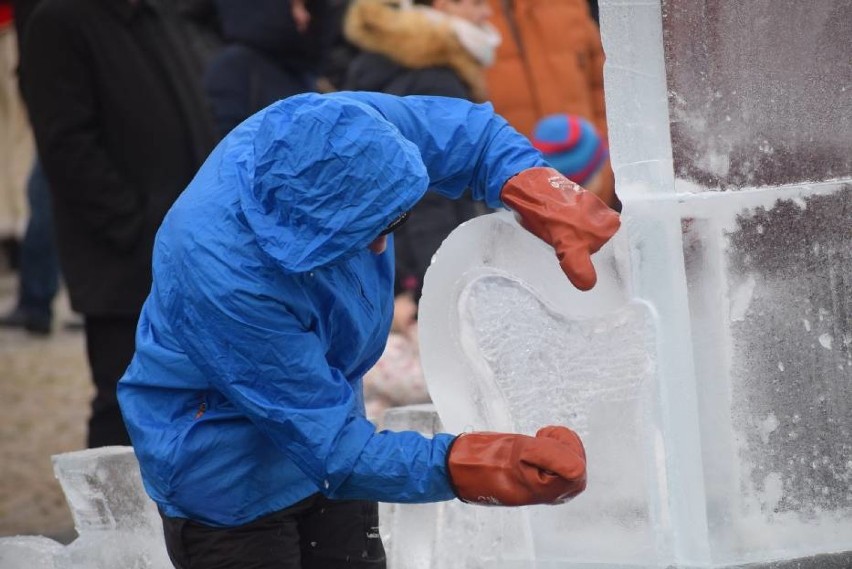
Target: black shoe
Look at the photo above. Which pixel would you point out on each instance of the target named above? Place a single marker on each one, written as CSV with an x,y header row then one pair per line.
x,y
15,319
40,325
20,318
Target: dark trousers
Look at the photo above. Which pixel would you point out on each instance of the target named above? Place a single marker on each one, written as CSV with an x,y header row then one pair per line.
x,y
316,533
110,343
39,262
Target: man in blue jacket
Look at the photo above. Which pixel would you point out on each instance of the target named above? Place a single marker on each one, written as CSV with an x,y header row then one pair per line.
x,y
273,295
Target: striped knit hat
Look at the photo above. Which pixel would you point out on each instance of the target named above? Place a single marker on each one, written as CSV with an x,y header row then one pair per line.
x,y
571,145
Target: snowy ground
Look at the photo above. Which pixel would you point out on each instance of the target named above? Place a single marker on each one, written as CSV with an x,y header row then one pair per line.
x,y
44,396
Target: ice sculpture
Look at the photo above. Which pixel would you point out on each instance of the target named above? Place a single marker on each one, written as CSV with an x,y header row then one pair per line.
x,y
117,524
711,371
509,347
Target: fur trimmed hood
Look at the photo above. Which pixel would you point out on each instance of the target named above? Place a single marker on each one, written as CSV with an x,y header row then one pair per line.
x,y
412,39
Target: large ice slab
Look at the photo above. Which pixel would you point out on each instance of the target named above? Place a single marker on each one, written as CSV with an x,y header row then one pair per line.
x,y
759,91
509,345
770,286
717,436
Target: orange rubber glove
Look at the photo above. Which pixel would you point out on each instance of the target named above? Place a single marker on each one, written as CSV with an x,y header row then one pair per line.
x,y
503,469
575,222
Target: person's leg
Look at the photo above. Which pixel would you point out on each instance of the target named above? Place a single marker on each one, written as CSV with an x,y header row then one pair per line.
x,y
271,542
342,534
39,261
110,343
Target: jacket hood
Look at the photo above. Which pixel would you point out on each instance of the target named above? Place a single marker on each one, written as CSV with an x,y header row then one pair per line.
x,y
412,39
328,175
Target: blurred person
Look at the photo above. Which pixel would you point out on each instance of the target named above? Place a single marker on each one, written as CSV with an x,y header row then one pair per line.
x,y
338,52
437,47
551,61
273,50
203,30
38,278
273,294
573,146
16,144
523,84
121,127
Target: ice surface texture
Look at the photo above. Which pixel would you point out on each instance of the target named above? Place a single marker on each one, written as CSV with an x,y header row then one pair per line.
x,y
30,552
759,91
536,354
770,287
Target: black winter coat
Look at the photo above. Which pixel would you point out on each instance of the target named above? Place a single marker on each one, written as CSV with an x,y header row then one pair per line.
x,y
266,59
121,127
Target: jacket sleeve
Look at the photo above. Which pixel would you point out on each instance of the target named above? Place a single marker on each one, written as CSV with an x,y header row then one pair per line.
x,y
271,365
462,144
58,88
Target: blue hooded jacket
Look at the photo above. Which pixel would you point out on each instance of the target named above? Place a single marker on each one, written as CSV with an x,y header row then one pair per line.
x,y
267,308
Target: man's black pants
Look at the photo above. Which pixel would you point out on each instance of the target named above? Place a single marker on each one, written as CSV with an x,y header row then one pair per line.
x,y
316,533
110,343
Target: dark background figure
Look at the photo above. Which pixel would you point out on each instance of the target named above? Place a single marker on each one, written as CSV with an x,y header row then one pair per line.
x,y
203,30
39,273
267,57
338,52
121,126
38,278
418,52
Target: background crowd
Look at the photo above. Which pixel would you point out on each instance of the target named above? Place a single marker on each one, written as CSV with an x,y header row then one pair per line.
x,y
108,107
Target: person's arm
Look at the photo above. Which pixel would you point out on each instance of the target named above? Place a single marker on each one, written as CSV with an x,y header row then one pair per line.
x,y
462,144
272,367
466,145
59,89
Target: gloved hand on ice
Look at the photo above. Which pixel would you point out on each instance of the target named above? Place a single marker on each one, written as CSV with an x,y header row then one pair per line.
x,y
575,222
504,469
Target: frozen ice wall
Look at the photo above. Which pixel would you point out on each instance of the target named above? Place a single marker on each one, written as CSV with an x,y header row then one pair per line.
x,y
117,524
710,372
759,91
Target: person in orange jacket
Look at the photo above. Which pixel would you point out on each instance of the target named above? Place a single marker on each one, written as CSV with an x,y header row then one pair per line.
x,y
550,61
